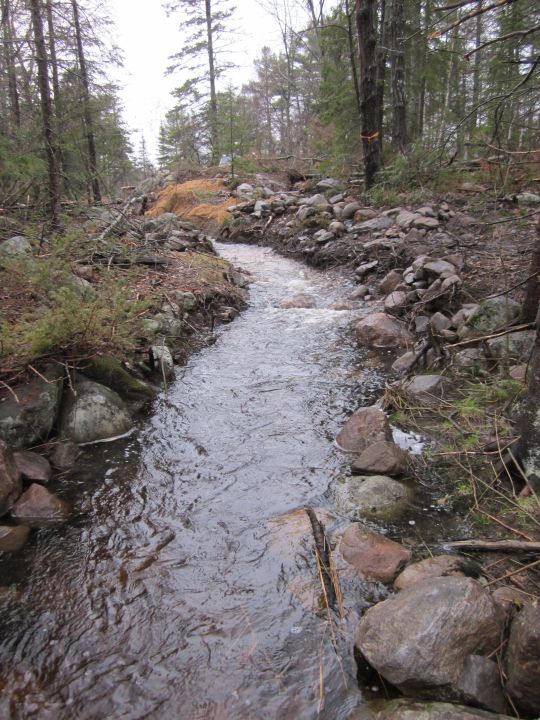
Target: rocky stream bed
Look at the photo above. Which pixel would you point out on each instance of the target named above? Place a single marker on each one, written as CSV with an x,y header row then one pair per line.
x,y
259,545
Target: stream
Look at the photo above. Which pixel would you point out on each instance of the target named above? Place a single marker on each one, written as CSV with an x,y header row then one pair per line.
x,y
174,592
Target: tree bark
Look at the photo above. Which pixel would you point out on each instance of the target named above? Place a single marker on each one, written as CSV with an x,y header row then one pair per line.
x,y
10,65
212,77
397,63
352,57
46,114
367,43
87,114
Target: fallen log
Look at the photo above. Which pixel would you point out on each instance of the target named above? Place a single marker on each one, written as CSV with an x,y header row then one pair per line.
x,y
495,545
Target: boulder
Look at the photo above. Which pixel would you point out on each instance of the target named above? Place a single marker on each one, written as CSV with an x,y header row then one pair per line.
x,y
26,422
405,362
528,199
514,346
426,387
108,371
33,466
95,413
425,223
396,302
13,537
437,566
17,246
329,184
523,659
438,267
375,224
298,301
372,556
366,426
405,219
360,292
422,639
404,709
350,210
379,330
10,479
390,281
490,315
381,458
372,496
37,507
439,322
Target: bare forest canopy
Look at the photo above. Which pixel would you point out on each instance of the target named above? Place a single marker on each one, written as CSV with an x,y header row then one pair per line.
x,y
355,85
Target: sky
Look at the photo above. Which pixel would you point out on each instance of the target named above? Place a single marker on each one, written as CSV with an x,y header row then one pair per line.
x,y
148,37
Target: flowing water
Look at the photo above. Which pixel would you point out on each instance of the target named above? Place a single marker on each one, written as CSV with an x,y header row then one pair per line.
x,y
175,593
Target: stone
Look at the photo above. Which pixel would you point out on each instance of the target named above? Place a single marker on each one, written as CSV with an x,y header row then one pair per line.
x,y
390,281
17,246
186,300
64,455
427,211
426,223
96,413
336,228
372,496
371,555
421,323
404,362
490,316
33,466
318,201
365,214
379,330
37,507
522,659
439,322
396,302
27,422
298,301
450,282
468,358
366,426
244,189
366,268
436,566
528,198
513,346
480,684
349,210
427,387
161,361
375,224
509,598
13,537
405,219
519,372
421,639
438,267
382,458
360,292
323,236
108,371
328,184
10,479
405,709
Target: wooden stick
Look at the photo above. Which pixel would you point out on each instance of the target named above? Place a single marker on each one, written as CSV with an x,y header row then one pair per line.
x,y
514,572
495,545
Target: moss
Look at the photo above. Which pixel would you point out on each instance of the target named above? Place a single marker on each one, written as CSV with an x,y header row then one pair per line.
x,y
109,371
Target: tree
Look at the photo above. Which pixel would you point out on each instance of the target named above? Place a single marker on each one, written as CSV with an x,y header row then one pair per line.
x,y
397,63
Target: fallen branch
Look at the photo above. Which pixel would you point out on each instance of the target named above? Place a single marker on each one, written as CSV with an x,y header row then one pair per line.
x,y
495,545
514,572
508,331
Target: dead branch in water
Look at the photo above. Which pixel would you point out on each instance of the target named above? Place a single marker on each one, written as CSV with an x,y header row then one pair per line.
x,y
495,545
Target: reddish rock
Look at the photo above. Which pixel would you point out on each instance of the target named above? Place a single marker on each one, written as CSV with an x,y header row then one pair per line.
x,y
518,372
65,455
438,566
33,466
379,330
396,302
13,538
390,281
367,426
523,659
10,479
37,507
371,555
383,457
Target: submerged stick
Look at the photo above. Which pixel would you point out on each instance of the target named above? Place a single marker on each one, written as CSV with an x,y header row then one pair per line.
x,y
323,555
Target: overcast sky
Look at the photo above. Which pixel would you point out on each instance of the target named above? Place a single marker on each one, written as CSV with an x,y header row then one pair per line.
x,y
148,37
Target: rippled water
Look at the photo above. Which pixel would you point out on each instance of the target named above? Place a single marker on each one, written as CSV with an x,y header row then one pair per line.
x,y
175,593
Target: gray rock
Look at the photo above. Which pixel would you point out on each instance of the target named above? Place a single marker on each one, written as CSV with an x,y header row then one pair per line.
x,y
523,659
469,358
405,219
451,282
349,210
33,466
396,302
515,346
17,246
10,479
366,268
379,330
244,189
336,228
491,315
109,371
439,322
375,224
360,292
323,236
426,223
328,184
427,387
390,281
305,212
404,709
37,507
421,639
528,199
13,537
438,267
421,323
96,413
162,361
318,201
366,426
373,496
404,362
25,423
427,211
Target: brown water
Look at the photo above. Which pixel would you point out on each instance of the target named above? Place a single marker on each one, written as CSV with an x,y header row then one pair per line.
x,y
172,594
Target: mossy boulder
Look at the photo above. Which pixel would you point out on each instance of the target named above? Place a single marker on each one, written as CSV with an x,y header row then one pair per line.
x,y
490,316
108,371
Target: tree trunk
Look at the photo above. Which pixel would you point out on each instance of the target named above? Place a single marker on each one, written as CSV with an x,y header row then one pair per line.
x,y
352,57
397,62
473,123
382,55
87,114
532,292
367,43
212,77
10,65
46,114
